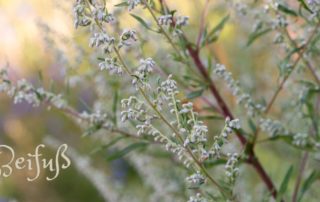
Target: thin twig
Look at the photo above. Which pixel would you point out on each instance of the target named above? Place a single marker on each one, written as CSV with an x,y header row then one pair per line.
x,y
198,163
194,54
202,22
300,175
252,159
284,80
307,63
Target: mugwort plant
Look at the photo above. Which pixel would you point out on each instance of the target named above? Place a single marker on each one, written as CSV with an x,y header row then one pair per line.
x,y
171,90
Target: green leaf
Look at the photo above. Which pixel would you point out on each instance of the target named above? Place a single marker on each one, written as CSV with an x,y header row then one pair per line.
x,y
114,107
194,81
255,35
304,5
195,94
123,152
313,177
209,61
283,66
252,126
214,198
287,10
289,140
219,26
214,33
183,43
286,138
284,184
215,162
123,4
100,59
91,130
211,117
142,22
106,146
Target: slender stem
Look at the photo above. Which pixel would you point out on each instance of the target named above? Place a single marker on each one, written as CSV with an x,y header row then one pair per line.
x,y
307,63
300,57
221,103
89,6
73,113
161,28
198,163
284,80
157,111
202,22
194,54
176,110
300,175
227,113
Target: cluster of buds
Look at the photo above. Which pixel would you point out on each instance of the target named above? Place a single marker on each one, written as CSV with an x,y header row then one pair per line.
x,y
242,98
195,180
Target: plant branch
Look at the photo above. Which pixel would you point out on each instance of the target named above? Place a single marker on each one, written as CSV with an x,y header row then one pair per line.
x,y
284,80
198,163
307,63
194,54
300,175
227,113
202,22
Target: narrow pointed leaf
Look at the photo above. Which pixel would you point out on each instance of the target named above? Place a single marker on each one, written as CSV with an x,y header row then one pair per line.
x,y
255,35
285,183
287,10
125,151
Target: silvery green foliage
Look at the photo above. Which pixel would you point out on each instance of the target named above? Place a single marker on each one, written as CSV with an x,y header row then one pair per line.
x,y
127,38
102,40
23,91
177,22
197,198
182,21
101,15
195,180
193,131
132,4
112,65
300,139
96,120
185,136
168,20
242,97
5,82
81,19
231,167
146,67
155,175
165,20
273,127
134,110
222,138
154,106
314,5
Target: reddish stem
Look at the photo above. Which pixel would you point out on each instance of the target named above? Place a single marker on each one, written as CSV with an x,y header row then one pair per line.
x,y
194,53
224,108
